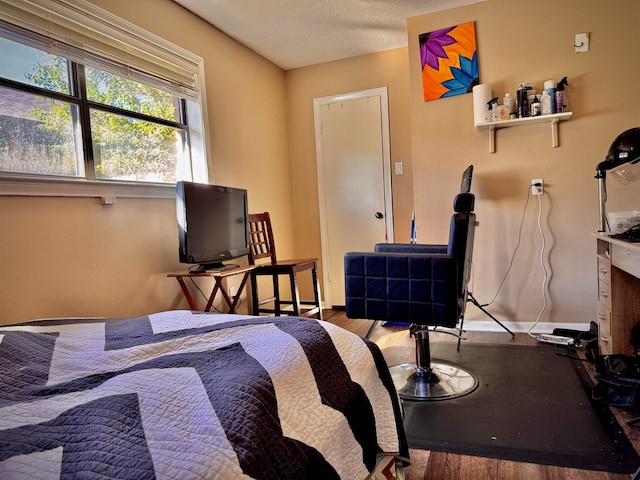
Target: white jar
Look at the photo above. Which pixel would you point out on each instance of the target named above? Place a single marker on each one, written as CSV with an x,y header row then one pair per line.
x,y
546,103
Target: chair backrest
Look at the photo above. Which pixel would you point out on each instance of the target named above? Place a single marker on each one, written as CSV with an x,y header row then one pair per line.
x,y
461,237
261,244
465,184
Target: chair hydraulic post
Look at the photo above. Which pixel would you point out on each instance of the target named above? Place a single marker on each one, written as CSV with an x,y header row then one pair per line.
x,y
472,299
429,380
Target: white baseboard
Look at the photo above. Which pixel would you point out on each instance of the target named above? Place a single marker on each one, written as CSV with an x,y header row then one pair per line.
x,y
521,327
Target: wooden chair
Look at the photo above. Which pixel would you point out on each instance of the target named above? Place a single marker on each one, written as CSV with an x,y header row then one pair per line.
x,y
263,254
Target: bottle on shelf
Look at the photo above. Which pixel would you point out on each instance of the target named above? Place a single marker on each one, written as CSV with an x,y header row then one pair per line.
x,y
503,112
493,108
551,90
535,107
546,103
522,101
509,103
560,100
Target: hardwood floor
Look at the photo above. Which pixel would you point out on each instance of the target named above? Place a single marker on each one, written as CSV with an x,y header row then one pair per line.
x,y
397,348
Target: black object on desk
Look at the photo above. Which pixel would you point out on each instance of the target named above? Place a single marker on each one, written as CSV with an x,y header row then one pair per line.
x,y
632,234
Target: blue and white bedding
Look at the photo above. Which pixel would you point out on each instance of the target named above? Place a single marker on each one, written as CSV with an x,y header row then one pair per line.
x,y
182,395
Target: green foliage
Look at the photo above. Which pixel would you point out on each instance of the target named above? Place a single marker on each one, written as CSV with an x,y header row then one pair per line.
x,y
124,147
52,73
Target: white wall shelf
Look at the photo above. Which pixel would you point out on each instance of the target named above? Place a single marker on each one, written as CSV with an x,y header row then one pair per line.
x,y
553,119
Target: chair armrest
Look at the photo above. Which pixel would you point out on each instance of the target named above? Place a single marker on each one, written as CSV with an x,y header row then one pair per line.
x,y
410,248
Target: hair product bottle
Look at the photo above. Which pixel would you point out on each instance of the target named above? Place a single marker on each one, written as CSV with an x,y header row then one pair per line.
x,y
551,90
560,106
503,112
509,103
535,107
493,108
523,101
546,103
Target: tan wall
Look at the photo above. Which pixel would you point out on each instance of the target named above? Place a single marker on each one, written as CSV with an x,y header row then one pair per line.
x,y
74,257
386,69
66,256
517,43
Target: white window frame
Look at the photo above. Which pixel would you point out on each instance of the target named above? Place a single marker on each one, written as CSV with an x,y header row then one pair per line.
x,y
142,48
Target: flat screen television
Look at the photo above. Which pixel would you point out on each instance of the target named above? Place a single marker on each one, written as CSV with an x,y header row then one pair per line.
x,y
212,225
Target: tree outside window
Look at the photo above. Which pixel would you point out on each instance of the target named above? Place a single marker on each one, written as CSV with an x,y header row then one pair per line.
x,y
61,118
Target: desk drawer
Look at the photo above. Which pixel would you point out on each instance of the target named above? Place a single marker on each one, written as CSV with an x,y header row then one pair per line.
x,y
604,329
626,258
604,270
604,293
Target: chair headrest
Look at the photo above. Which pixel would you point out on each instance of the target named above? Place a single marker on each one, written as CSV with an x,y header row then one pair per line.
x,y
464,202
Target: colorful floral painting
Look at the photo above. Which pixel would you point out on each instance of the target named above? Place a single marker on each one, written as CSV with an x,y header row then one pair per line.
x,y
449,61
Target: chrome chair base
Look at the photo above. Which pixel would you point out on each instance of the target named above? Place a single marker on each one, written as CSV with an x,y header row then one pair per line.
x,y
438,382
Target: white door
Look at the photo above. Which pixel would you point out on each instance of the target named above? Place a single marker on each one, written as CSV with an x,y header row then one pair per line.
x,y
354,183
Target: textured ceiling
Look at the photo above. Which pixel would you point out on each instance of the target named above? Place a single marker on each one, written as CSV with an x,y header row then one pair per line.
x,y
297,33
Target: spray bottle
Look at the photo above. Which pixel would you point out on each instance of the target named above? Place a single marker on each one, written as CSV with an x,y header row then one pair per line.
x,y
493,108
560,95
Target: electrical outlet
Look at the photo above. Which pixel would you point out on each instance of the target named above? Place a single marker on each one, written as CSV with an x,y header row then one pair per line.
x,y
232,291
537,186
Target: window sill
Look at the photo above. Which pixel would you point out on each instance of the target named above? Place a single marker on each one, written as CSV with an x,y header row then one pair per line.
x,y
107,191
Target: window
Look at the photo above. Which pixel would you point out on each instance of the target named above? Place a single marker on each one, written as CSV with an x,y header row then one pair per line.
x,y
106,104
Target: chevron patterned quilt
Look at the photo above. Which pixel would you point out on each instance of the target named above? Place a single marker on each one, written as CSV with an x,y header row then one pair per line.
x,y
182,395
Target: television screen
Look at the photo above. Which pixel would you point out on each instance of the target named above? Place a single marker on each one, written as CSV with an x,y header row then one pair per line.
x,y
212,224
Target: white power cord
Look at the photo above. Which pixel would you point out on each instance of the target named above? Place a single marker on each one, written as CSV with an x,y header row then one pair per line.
x,y
542,250
544,269
513,256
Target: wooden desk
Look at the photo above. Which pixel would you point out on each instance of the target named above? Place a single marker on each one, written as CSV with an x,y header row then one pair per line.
x,y
218,276
618,294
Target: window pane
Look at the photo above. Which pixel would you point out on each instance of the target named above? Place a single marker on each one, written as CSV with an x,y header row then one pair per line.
x,y
37,135
34,67
129,149
120,92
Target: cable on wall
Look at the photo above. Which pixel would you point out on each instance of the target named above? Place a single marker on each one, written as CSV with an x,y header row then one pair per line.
x,y
543,287
544,269
515,250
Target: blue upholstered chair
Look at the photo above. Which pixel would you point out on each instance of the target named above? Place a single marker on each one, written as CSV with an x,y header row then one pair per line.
x,y
422,285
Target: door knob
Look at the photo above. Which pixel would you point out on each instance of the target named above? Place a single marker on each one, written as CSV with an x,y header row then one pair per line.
x,y
379,215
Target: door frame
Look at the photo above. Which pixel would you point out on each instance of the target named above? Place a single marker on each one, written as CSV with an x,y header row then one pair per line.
x,y
386,170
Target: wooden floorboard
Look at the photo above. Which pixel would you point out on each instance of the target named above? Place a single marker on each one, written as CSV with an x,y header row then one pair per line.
x,y
397,347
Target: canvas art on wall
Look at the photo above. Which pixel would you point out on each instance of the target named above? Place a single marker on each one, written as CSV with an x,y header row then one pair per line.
x,y
449,61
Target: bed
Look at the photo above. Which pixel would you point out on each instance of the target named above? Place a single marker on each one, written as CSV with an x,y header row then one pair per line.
x,y
184,394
